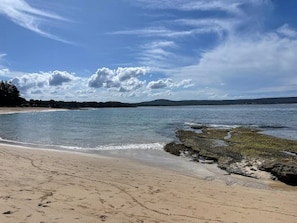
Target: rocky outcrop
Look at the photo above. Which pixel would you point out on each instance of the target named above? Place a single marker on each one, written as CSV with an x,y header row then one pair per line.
x,y
240,151
176,149
285,171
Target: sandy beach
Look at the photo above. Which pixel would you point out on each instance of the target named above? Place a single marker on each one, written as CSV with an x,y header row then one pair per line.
x,y
52,186
12,110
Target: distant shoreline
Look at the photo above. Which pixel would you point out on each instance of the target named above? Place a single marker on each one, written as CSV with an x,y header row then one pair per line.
x,y
32,104
163,102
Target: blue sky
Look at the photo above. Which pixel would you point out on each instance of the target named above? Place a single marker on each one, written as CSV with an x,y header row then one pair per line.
x,y
139,50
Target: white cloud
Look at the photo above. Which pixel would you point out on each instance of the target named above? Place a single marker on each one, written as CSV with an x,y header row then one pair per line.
x,y
187,83
4,72
159,84
123,79
171,35
161,94
124,82
2,60
126,73
156,32
183,28
119,84
2,55
59,77
246,65
268,54
104,77
243,60
131,85
40,80
157,52
287,31
23,14
28,81
161,44
218,26
46,85
169,83
231,6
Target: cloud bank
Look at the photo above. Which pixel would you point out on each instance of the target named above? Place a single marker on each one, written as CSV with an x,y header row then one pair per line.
x,y
123,82
259,66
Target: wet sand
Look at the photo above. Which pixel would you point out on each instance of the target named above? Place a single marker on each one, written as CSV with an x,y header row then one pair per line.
x,y
52,186
184,166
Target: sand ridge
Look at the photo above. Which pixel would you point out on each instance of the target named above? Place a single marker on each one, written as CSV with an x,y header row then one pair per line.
x,y
50,186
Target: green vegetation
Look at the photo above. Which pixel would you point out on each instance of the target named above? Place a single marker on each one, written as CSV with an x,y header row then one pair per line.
x,y
236,149
253,143
248,142
9,95
75,104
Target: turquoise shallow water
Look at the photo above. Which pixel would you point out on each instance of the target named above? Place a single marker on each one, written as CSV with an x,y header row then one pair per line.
x,y
137,128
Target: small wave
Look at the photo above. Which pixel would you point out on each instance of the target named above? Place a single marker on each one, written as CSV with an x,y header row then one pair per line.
x,y
27,144
193,124
217,126
72,148
143,146
271,127
225,126
12,142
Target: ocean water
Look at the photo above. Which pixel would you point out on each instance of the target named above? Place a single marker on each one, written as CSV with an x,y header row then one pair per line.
x,y
137,128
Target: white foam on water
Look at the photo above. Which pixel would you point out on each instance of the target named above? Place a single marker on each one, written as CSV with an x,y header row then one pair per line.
x,y
218,126
142,146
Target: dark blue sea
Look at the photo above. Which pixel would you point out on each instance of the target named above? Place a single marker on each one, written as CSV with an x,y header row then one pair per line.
x,y
138,128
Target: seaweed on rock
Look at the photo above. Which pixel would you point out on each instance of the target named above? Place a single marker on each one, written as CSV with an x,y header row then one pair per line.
x,y
241,151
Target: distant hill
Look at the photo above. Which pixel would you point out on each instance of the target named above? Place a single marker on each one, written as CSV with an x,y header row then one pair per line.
x,y
163,102
159,102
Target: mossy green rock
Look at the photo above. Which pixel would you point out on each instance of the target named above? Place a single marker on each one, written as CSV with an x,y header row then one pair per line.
x,y
230,148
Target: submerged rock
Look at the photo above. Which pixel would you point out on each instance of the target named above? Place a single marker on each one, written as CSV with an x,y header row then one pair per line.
x,y
241,151
175,149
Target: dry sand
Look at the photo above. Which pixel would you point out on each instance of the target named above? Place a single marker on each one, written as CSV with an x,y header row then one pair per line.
x,y
50,186
12,110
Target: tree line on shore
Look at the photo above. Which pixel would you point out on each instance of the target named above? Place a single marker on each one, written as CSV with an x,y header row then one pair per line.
x,y
10,96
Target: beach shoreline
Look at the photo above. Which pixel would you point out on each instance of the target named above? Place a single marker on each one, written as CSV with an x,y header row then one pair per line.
x,y
14,110
50,186
140,185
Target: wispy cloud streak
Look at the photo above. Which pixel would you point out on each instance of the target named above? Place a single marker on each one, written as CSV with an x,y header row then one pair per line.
x,y
217,20
23,14
190,5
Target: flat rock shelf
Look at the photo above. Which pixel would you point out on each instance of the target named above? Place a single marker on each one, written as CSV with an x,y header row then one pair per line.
x,y
243,151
